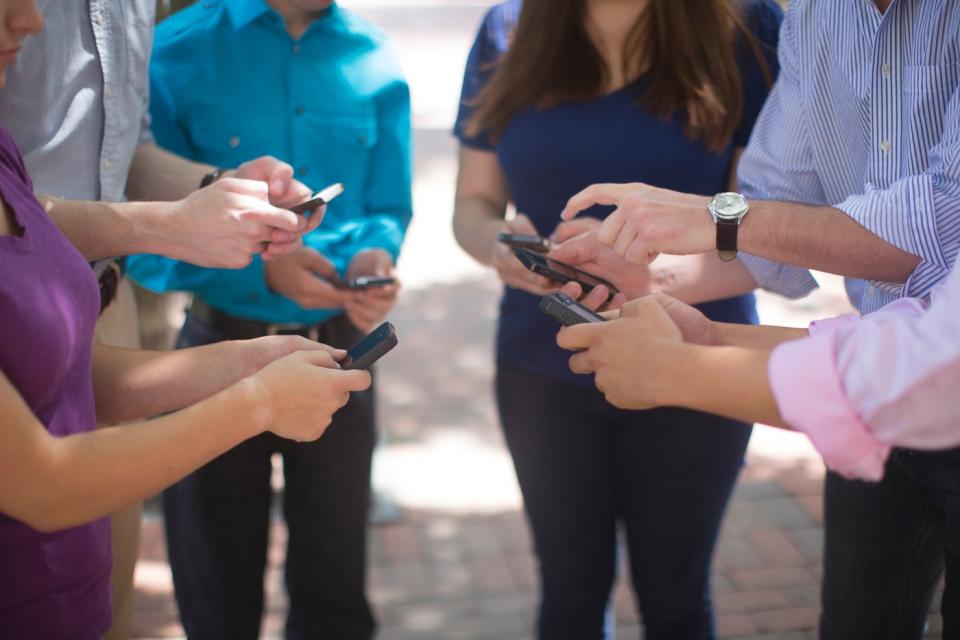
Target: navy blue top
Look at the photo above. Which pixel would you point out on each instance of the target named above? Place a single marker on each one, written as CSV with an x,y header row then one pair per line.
x,y
549,155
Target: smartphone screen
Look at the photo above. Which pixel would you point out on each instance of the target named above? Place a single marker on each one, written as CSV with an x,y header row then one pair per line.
x,y
319,199
560,272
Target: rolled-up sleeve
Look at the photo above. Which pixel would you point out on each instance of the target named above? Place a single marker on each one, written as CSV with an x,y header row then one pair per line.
x,y
778,165
858,387
919,213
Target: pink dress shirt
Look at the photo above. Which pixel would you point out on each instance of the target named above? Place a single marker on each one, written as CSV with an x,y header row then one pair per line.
x,y
859,386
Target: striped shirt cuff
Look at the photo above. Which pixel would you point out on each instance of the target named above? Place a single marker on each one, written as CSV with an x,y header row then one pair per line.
x,y
805,370
787,280
905,216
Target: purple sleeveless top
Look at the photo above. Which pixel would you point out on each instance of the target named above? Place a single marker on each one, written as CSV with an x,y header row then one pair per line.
x,y
52,585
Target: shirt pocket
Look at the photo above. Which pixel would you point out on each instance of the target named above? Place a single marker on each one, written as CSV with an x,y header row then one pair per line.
x,y
228,141
926,79
353,133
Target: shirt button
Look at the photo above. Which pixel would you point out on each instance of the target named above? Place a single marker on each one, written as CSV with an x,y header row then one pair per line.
x,y
299,110
106,164
296,48
98,18
234,142
885,146
107,91
885,70
302,171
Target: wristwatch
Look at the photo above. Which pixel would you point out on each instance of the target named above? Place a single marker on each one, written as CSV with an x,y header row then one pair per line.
x,y
211,177
727,210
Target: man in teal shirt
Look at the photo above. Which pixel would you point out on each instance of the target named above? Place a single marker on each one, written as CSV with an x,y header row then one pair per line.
x,y
313,85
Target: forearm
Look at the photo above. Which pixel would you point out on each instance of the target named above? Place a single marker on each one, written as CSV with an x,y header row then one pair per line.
x,y
107,229
700,278
476,222
157,174
79,478
130,384
727,381
822,238
751,336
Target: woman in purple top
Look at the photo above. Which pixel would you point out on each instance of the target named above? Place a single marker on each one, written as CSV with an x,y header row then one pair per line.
x,y
59,477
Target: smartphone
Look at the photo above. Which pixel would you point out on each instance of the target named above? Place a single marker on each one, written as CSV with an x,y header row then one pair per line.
x,y
373,347
567,311
560,272
319,199
521,240
368,282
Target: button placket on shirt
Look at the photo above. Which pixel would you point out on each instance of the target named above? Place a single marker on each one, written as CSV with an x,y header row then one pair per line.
x,y
886,100
297,108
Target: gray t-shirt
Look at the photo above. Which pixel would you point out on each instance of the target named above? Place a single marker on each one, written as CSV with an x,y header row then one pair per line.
x,y
76,101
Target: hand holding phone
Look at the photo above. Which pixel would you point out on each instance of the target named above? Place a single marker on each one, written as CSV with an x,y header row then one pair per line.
x,y
319,199
562,273
374,346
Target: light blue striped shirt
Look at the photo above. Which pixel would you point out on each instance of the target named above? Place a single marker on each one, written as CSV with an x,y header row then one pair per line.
x,y
865,117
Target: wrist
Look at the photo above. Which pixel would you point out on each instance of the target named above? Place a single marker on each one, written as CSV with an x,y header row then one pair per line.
x,y
254,399
147,225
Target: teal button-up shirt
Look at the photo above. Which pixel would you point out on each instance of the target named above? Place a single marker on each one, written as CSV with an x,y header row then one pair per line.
x,y
229,84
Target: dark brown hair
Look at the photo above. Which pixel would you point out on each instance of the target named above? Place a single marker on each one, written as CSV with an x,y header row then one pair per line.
x,y
688,49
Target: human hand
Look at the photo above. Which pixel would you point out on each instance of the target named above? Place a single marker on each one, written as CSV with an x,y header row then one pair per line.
x,y
253,355
298,394
283,192
306,277
626,353
586,252
510,270
224,225
367,308
648,220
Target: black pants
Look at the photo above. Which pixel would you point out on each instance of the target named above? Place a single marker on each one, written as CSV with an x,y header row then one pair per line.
x,y
584,465
887,545
217,523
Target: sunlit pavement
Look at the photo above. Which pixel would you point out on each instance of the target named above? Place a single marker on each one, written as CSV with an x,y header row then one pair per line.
x,y
459,564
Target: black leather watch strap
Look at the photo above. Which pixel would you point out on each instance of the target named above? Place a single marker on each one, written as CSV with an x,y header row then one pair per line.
x,y
211,177
727,239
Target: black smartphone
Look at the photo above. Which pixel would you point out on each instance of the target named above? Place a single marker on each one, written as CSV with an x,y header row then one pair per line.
x,y
373,347
525,241
567,311
560,272
367,282
319,199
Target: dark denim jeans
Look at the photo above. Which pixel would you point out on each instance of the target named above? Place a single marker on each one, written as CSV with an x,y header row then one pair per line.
x,y
217,523
584,466
886,546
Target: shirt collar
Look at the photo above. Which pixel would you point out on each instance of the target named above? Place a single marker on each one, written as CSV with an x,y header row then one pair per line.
x,y
243,12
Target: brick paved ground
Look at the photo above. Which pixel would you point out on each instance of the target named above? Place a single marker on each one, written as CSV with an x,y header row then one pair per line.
x,y
459,565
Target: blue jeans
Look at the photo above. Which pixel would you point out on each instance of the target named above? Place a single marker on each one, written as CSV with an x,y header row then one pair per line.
x,y
217,523
584,466
886,547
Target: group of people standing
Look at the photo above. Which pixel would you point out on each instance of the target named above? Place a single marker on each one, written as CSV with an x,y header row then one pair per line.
x,y
829,137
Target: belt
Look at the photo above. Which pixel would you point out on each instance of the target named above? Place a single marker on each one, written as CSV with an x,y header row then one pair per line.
x,y
244,329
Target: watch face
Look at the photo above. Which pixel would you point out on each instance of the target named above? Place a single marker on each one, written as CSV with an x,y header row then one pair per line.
x,y
728,206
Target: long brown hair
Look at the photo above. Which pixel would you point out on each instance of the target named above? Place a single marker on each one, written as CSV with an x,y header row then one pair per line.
x,y
688,49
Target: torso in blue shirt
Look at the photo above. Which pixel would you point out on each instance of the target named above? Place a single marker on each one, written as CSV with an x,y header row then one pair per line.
x,y
549,155
228,84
